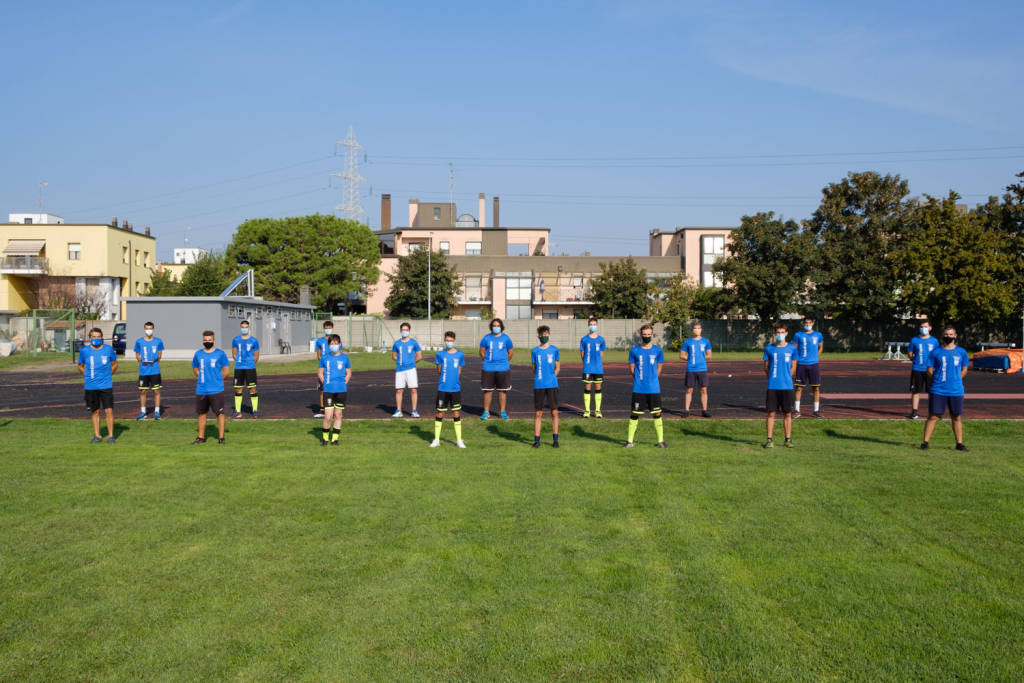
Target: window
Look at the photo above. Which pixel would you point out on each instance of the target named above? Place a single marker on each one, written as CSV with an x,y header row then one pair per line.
x,y
124,254
416,246
138,288
472,248
518,289
577,280
27,221
437,213
74,251
472,314
474,288
138,257
445,247
712,248
145,259
517,313
518,249
551,314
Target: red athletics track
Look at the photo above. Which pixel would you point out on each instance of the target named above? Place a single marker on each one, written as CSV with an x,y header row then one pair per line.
x,y
850,389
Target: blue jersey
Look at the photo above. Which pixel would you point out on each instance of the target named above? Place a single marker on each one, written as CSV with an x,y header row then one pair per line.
x,y
696,360
245,348
947,364
592,347
922,348
807,347
321,346
149,350
406,350
780,368
334,372
496,348
645,369
98,374
544,360
449,375
210,379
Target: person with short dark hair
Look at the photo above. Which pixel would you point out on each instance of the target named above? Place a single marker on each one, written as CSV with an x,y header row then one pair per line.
x,y
97,364
496,372
696,352
809,344
245,352
334,373
592,348
149,349
920,350
645,363
210,367
406,352
947,369
546,364
449,389
780,366
320,348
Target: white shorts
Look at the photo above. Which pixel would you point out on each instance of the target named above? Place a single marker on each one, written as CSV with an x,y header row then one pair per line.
x,y
406,379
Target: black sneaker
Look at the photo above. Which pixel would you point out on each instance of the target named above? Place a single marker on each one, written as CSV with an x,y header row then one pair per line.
x,y
817,413
554,444
221,441
961,447
661,444
536,444
913,416
686,413
924,445
111,440
336,443
705,413
323,443
96,439
198,441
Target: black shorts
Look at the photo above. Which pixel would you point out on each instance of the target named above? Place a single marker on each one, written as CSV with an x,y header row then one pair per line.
x,y
808,375
150,381
920,382
206,403
448,400
245,378
335,399
593,377
642,402
495,380
937,405
696,379
780,400
550,396
99,398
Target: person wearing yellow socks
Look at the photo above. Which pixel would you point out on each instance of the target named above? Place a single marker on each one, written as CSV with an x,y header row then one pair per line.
x,y
645,363
334,374
245,352
592,347
449,389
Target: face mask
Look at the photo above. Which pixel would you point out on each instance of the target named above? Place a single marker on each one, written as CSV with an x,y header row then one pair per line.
x,y
544,340
808,327
948,340
496,330
449,344
405,333
207,345
245,331
593,328
149,333
334,347
645,339
328,332
781,336
925,331
96,342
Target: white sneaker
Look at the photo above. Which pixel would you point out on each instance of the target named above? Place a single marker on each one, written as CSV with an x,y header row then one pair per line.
x,y
397,413
460,443
435,443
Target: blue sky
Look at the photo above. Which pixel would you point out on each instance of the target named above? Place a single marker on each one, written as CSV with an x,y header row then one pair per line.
x,y
600,120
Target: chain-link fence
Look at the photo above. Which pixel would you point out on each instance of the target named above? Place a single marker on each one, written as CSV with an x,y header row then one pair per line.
x,y
43,331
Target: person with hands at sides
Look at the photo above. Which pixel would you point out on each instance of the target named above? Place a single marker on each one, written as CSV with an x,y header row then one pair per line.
x,y
320,348
947,369
546,365
406,352
245,352
645,363
696,352
496,372
449,389
334,373
149,349
210,367
809,344
780,368
97,364
592,348
920,349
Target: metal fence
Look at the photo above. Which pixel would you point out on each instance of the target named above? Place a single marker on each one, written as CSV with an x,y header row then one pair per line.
x,y
45,331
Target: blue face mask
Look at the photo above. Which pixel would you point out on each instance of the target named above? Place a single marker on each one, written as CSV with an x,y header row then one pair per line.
x,y
334,348
780,336
449,344
925,331
593,328
245,331
496,330
405,333
96,342
808,327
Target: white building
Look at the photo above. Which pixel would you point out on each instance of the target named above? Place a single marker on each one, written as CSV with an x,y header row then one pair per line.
x,y
188,255
35,219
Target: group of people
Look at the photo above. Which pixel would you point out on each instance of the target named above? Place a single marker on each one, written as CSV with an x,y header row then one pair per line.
x,y
939,367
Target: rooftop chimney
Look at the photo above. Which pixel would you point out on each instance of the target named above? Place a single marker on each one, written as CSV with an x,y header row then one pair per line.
x,y
113,221
385,212
483,209
496,221
147,231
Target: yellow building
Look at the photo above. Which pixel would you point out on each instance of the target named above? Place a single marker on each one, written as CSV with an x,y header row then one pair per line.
x,y
47,263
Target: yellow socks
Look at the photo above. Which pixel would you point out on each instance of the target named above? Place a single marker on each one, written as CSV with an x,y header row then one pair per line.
x,y
458,429
238,403
586,400
597,401
659,429
255,402
437,427
633,422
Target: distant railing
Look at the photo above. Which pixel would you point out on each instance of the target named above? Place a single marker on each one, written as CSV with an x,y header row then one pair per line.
x,y
22,263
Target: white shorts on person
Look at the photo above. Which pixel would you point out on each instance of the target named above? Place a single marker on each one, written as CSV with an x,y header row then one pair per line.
x,y
406,379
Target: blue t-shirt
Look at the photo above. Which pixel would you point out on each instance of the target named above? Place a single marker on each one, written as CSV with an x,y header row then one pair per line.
x,y
245,358
544,360
645,369
947,364
334,372
807,347
496,355
449,375
406,350
321,346
210,379
780,359
592,348
696,349
922,348
98,374
149,350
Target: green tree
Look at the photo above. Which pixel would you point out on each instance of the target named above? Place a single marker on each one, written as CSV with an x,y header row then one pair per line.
x,y
675,305
208,276
621,290
766,272
1007,218
162,284
856,224
334,256
408,297
960,270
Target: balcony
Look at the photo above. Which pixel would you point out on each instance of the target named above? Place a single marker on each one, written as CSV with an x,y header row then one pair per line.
x,y
561,294
24,265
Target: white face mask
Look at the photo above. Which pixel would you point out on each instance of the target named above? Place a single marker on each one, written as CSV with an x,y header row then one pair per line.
x,y
808,327
405,333
245,331
329,331
449,344
593,328
149,333
781,336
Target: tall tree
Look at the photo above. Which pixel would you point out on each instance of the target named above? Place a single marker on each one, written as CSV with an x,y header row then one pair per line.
x,y
856,225
768,267
408,297
334,256
676,303
1006,216
162,284
208,276
621,290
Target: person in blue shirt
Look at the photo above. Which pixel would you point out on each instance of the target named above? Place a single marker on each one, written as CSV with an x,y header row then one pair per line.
x,y
449,389
334,373
149,349
320,347
546,364
645,363
809,345
245,352
210,367
97,364
495,375
406,352
780,365
947,369
919,350
696,352
592,348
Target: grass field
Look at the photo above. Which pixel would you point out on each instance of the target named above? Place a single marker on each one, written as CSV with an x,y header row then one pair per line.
x,y
854,555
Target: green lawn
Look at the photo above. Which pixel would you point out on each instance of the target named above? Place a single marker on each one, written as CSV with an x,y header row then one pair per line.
x,y
853,556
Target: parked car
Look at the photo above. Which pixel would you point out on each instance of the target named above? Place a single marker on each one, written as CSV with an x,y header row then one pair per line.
x,y
117,340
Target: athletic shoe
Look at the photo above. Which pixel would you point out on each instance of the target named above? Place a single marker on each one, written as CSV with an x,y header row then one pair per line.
x,y
156,415
686,413
628,444
322,442
788,443
460,443
318,414
769,444
817,414
504,415
415,413
198,441
536,444
112,440
961,447
661,444
336,443
236,415
586,414
598,415
924,445
221,441
397,413
705,413
554,444
796,414
255,415
435,443
96,439
141,416
914,416
484,415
